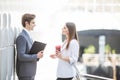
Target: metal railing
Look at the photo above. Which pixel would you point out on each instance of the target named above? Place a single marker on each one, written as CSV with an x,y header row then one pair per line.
x,y
89,76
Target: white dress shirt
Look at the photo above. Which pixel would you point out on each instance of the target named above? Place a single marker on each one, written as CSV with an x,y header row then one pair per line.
x,y
65,69
28,32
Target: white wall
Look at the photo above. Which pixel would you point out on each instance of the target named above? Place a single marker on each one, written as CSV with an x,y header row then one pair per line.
x,y
7,38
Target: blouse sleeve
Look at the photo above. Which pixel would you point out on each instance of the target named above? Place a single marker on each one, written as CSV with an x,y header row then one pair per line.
x,y
74,50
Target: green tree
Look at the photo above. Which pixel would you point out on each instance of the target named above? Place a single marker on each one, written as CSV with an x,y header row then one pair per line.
x,y
90,49
109,50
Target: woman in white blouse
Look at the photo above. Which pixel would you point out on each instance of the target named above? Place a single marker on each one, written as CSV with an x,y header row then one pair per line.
x,y
68,55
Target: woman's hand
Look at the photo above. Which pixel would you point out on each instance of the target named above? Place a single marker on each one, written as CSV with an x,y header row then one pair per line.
x,y
58,54
53,56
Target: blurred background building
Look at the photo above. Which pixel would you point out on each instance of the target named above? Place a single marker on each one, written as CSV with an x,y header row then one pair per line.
x,y
51,16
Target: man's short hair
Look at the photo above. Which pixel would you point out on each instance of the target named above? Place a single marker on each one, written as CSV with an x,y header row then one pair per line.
x,y
27,17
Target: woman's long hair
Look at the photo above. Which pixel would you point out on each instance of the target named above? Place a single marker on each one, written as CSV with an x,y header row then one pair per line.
x,y
72,32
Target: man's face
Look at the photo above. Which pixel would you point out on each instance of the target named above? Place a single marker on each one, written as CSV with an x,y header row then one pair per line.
x,y
31,25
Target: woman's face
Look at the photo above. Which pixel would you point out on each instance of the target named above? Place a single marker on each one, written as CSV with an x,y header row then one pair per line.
x,y
65,30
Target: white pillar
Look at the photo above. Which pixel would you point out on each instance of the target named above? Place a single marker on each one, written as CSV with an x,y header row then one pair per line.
x,y
101,49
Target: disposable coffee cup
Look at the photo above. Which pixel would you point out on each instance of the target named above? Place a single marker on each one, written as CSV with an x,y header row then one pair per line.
x,y
58,47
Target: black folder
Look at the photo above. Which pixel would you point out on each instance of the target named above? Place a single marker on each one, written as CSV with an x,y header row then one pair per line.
x,y
37,46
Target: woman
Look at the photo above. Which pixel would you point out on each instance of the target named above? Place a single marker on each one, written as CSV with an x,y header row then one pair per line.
x,y
68,55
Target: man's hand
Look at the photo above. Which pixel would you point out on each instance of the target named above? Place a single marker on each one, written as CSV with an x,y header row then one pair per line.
x,y
40,54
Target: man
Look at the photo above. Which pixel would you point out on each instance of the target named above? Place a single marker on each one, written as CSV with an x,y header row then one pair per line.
x,y
26,63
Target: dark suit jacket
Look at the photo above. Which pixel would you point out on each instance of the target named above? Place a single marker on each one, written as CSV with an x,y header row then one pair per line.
x,y
26,63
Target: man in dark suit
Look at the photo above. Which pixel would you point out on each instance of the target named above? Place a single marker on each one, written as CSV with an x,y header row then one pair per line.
x,y
26,63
